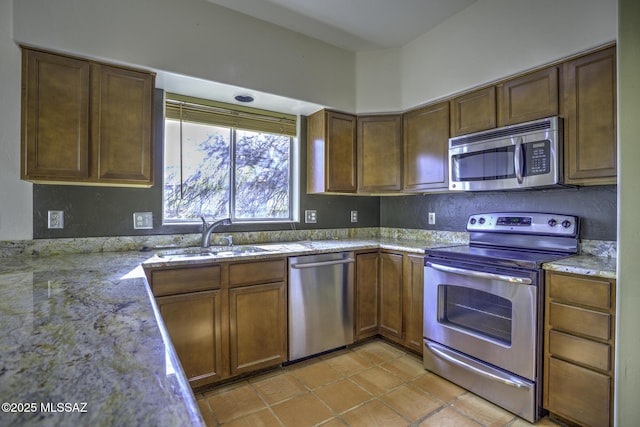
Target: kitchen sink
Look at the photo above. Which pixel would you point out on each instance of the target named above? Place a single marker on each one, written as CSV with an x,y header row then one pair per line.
x,y
210,252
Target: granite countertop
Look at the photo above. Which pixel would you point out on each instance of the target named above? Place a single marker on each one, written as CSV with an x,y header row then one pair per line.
x,y
585,264
82,343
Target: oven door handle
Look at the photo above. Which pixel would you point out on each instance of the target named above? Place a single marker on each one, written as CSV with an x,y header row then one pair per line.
x,y
481,274
441,352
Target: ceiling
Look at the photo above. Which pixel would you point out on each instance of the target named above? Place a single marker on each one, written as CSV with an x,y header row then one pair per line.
x,y
354,25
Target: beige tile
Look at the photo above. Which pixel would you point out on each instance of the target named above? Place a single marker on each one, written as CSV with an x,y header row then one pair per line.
x,y
482,411
376,380
334,422
406,367
438,387
349,363
278,388
448,417
542,422
263,418
373,414
316,375
411,402
235,403
342,395
378,351
209,419
305,410
223,388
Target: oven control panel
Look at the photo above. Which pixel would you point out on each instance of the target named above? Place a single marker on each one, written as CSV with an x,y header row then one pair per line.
x,y
524,223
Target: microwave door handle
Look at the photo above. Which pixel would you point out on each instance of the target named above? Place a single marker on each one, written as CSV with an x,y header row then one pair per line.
x,y
517,160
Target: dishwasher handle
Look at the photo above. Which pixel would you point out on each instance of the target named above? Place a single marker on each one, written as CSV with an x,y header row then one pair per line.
x,y
323,263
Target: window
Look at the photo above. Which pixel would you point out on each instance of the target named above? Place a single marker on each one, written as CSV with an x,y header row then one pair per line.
x,y
224,161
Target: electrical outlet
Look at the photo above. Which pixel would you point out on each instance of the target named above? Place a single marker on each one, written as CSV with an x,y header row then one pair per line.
x,y
354,216
310,216
142,220
432,218
55,219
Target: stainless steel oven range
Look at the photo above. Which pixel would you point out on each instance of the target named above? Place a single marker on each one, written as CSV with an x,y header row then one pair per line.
x,y
483,305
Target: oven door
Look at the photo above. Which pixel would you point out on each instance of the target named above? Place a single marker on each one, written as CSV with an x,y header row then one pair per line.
x,y
488,314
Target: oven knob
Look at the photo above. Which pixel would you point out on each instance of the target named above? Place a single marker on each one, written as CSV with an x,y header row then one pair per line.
x,y
552,222
472,221
481,221
566,223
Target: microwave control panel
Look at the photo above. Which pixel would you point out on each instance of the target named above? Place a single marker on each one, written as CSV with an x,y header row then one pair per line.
x,y
538,157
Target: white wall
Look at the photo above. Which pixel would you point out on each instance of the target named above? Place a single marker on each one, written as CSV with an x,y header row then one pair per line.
x,y
378,82
193,38
15,195
628,298
489,40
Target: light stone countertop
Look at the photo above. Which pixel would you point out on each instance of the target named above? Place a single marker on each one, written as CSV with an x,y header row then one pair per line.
x,y
83,328
585,264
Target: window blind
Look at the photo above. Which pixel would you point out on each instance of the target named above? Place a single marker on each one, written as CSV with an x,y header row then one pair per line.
x,y
180,107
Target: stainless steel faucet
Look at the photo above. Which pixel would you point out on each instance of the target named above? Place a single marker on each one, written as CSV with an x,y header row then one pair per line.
x,y
207,229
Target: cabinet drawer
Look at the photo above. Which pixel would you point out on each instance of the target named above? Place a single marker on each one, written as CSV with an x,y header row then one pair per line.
x,y
586,291
578,393
579,320
183,280
580,350
248,273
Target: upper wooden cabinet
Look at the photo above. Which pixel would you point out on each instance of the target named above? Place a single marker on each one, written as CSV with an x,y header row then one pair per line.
x,y
529,97
379,153
85,122
426,141
331,153
474,111
589,111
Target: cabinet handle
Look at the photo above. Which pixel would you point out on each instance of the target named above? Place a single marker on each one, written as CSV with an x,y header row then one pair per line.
x,y
323,263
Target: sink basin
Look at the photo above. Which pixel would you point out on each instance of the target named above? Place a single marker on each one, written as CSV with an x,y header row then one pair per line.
x,y
210,252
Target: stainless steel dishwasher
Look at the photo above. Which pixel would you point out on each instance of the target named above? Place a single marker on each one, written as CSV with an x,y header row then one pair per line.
x,y
320,303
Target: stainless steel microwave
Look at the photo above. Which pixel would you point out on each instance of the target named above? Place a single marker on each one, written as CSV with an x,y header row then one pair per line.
x,y
523,156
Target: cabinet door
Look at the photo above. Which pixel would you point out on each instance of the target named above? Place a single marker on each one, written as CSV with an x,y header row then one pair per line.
x,y
379,153
122,111
413,293
590,118
193,322
426,141
529,97
366,295
257,327
473,112
579,394
55,117
331,153
341,153
391,295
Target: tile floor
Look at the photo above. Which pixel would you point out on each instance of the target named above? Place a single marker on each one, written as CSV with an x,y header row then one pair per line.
x,y
373,384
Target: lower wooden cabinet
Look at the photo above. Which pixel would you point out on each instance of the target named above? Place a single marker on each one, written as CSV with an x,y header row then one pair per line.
x,y
579,348
224,319
257,327
193,322
366,295
389,297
